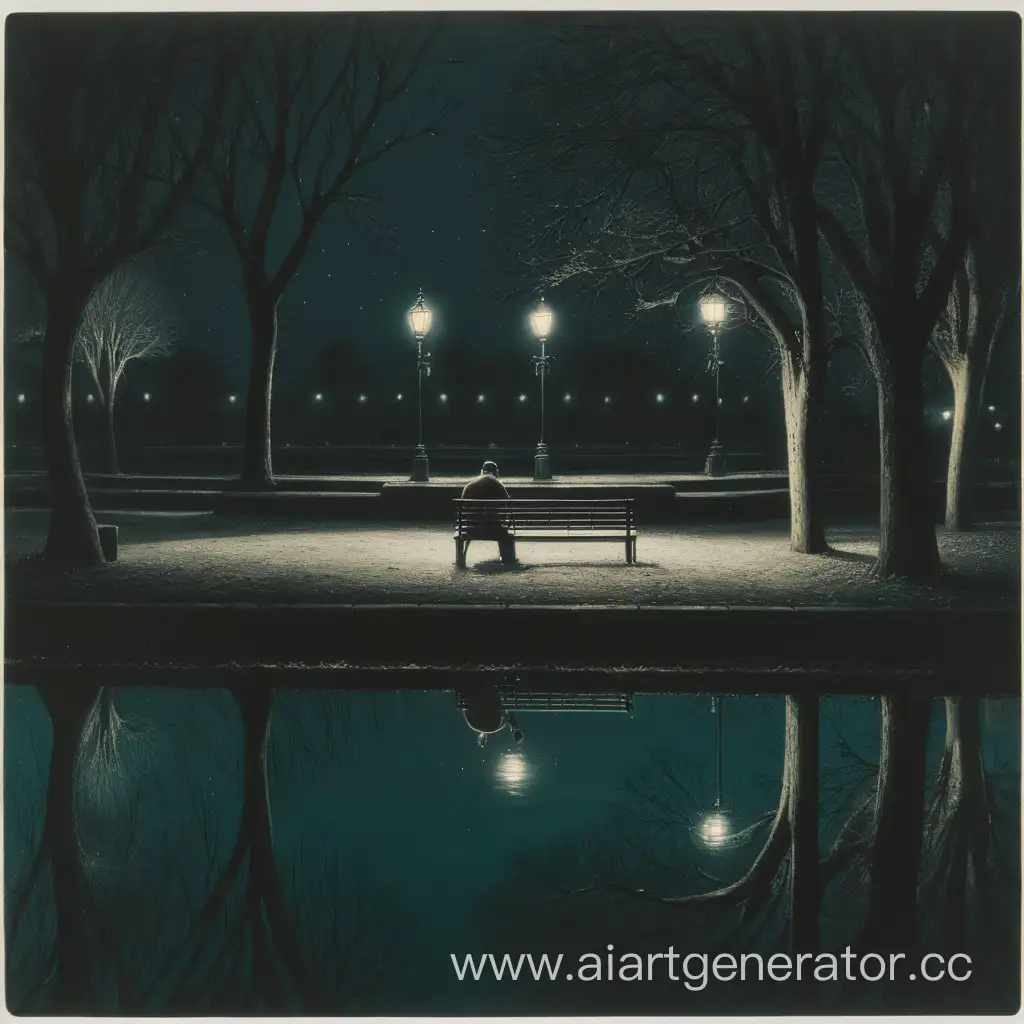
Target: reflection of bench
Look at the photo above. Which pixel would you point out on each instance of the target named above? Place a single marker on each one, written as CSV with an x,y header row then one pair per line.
x,y
542,520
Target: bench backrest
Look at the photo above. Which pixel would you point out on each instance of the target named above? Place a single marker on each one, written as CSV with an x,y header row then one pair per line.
x,y
540,514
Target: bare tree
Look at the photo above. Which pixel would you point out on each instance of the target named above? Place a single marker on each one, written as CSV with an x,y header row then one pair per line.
x,y
979,309
713,134
912,114
124,320
315,104
106,135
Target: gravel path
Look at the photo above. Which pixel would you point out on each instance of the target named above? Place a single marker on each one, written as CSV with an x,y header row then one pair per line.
x,y
206,558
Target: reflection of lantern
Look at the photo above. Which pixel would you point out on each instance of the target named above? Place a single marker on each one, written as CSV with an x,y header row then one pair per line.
x,y
513,773
714,831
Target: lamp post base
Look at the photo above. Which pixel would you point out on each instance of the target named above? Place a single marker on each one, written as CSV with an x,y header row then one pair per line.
x,y
714,465
541,464
420,466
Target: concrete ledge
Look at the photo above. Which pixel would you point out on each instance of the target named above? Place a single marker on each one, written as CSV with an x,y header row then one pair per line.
x,y
969,642
466,678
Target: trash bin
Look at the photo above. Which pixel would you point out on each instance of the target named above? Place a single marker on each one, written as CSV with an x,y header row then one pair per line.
x,y
108,542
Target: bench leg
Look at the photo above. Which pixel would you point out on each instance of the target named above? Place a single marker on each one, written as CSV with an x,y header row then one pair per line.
x,y
629,551
460,553
634,550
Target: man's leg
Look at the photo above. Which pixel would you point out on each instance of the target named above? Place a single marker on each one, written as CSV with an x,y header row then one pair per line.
x,y
507,549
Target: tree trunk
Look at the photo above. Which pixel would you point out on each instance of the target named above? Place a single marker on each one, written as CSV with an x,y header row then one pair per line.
x,y
802,393
68,710
110,463
907,545
257,465
802,768
72,539
265,890
894,859
968,383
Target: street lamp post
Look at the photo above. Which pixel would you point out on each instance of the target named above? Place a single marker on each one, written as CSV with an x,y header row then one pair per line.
x,y
541,320
419,318
713,311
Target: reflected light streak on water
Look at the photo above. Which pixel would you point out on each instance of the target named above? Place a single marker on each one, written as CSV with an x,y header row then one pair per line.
x,y
513,773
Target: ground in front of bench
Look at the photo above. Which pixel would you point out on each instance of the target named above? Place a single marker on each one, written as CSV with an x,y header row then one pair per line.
x,y
200,558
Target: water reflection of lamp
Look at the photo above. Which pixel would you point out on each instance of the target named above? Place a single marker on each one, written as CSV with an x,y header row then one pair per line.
x,y
513,773
714,832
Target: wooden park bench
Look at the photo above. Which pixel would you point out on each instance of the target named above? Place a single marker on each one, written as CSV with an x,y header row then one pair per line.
x,y
578,520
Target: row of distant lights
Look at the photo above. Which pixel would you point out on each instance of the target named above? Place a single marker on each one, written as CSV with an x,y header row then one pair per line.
x,y
318,397
146,396
947,414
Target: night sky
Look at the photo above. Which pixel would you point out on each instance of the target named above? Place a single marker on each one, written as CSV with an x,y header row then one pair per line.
x,y
444,218
438,223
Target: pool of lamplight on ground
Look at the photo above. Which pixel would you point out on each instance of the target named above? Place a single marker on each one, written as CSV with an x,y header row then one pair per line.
x,y
449,839
224,558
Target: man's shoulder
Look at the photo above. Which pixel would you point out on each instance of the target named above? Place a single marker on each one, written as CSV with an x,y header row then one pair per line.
x,y
484,486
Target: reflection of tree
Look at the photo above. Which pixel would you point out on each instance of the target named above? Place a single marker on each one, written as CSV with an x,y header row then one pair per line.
x,y
64,973
135,916
913,860
970,885
783,877
248,949
89,832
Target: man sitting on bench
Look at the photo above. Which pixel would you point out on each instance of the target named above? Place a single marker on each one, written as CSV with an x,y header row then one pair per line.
x,y
488,486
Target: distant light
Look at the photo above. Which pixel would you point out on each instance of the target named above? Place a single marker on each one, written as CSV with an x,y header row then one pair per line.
x,y
991,408
746,398
568,398
479,398
232,399
145,396
522,398
21,398
999,426
318,397
362,398
398,397
947,414
719,401
444,398
695,397
90,398
660,397
607,399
